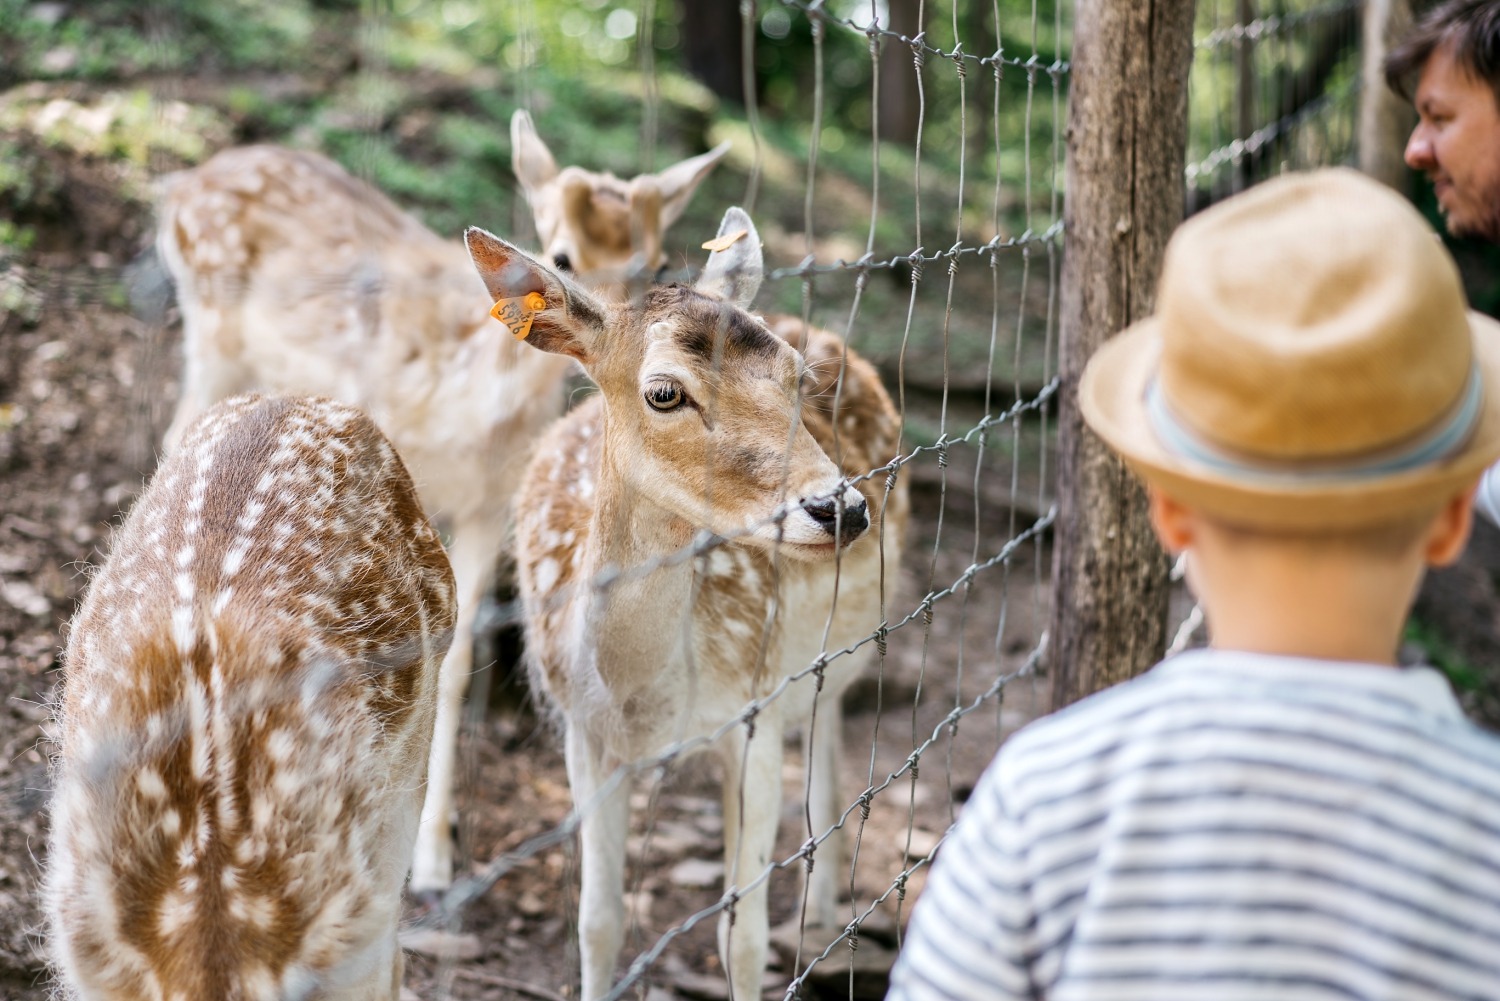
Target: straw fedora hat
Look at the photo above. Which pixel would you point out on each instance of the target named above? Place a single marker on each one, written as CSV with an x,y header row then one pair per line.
x,y
1311,364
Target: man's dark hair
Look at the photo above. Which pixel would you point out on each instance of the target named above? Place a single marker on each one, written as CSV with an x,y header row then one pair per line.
x,y
1471,27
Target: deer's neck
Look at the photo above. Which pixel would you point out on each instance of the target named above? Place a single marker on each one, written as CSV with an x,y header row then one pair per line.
x,y
642,616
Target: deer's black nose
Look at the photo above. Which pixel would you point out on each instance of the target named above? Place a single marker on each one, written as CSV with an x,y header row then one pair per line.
x,y
825,511
562,262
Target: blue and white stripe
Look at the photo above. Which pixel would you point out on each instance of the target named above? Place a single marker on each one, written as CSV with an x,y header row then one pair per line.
x,y
1229,826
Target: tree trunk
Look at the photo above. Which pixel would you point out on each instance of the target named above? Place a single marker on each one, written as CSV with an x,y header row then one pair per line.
x,y
1385,118
899,104
711,45
1127,137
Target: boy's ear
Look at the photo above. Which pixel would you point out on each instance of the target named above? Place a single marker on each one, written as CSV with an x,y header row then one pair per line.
x,y
1450,530
1173,522
678,182
570,322
735,268
529,157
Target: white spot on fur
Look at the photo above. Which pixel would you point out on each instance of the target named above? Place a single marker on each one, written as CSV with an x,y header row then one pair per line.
x,y
176,912
149,782
235,558
546,575
182,629
279,745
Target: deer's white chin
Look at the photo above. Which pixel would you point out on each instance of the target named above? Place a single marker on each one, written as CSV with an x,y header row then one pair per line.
x,y
800,538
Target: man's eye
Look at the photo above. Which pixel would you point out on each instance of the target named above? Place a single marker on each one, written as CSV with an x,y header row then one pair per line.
x,y
664,396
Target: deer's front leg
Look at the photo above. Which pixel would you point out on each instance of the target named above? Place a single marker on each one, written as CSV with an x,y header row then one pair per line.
x,y
472,552
752,808
606,820
824,747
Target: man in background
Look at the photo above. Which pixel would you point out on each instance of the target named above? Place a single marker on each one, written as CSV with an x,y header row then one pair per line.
x,y
1449,67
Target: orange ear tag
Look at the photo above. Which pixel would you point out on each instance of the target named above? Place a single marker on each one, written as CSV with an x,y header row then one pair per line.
x,y
518,313
726,241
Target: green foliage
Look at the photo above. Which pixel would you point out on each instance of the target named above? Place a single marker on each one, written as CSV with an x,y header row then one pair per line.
x,y
118,39
1296,109
416,96
1441,654
15,237
129,125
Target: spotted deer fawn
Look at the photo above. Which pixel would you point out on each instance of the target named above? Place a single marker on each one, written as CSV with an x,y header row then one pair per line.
x,y
706,423
249,696
295,277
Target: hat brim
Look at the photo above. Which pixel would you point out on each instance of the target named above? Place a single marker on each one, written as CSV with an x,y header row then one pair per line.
x,y
1112,397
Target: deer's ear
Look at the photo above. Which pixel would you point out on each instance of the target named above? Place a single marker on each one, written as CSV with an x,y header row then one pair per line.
x,y
570,321
678,182
644,195
735,267
529,157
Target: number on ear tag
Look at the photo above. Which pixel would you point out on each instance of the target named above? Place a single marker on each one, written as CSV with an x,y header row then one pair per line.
x,y
518,313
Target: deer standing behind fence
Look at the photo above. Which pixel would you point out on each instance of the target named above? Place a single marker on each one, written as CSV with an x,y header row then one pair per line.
x,y
705,421
295,277
249,696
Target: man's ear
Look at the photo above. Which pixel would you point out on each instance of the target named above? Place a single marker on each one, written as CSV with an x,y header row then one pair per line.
x,y
570,321
1449,532
735,268
678,182
1173,523
529,157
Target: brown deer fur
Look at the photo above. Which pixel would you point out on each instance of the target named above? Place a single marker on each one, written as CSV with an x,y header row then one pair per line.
x,y
705,422
243,732
295,277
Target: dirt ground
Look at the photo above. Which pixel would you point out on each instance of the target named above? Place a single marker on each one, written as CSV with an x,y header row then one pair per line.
x,y
86,388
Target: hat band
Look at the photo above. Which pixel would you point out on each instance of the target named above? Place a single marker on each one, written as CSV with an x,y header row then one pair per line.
x,y
1447,438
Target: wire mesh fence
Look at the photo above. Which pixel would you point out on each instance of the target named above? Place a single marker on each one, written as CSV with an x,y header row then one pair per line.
x,y
951,290
1274,87
908,191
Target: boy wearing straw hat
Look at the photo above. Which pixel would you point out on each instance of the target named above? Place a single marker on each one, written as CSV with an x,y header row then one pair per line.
x,y
1286,814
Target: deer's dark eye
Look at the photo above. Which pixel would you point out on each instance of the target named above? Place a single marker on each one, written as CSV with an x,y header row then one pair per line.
x,y
664,396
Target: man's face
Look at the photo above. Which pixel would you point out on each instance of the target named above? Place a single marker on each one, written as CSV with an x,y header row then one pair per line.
x,y
1457,145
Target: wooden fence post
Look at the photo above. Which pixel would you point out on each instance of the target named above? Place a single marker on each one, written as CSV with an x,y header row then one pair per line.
x,y
1127,137
1385,118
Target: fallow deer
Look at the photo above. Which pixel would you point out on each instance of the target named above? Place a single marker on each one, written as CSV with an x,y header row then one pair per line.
x,y
295,277
592,224
705,424
249,696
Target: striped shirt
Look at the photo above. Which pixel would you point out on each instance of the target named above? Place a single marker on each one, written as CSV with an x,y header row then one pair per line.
x,y
1228,826
1487,500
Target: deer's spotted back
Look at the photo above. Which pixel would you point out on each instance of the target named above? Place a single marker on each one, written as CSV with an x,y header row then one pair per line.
x,y
246,713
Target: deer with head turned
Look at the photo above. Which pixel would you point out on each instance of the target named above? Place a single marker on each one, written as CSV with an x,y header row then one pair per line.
x,y
705,424
295,277
594,225
248,701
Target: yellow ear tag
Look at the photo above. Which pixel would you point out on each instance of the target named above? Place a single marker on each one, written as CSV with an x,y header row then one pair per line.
x,y
518,313
726,241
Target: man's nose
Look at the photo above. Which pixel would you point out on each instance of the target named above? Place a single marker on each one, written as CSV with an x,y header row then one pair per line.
x,y
1419,150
